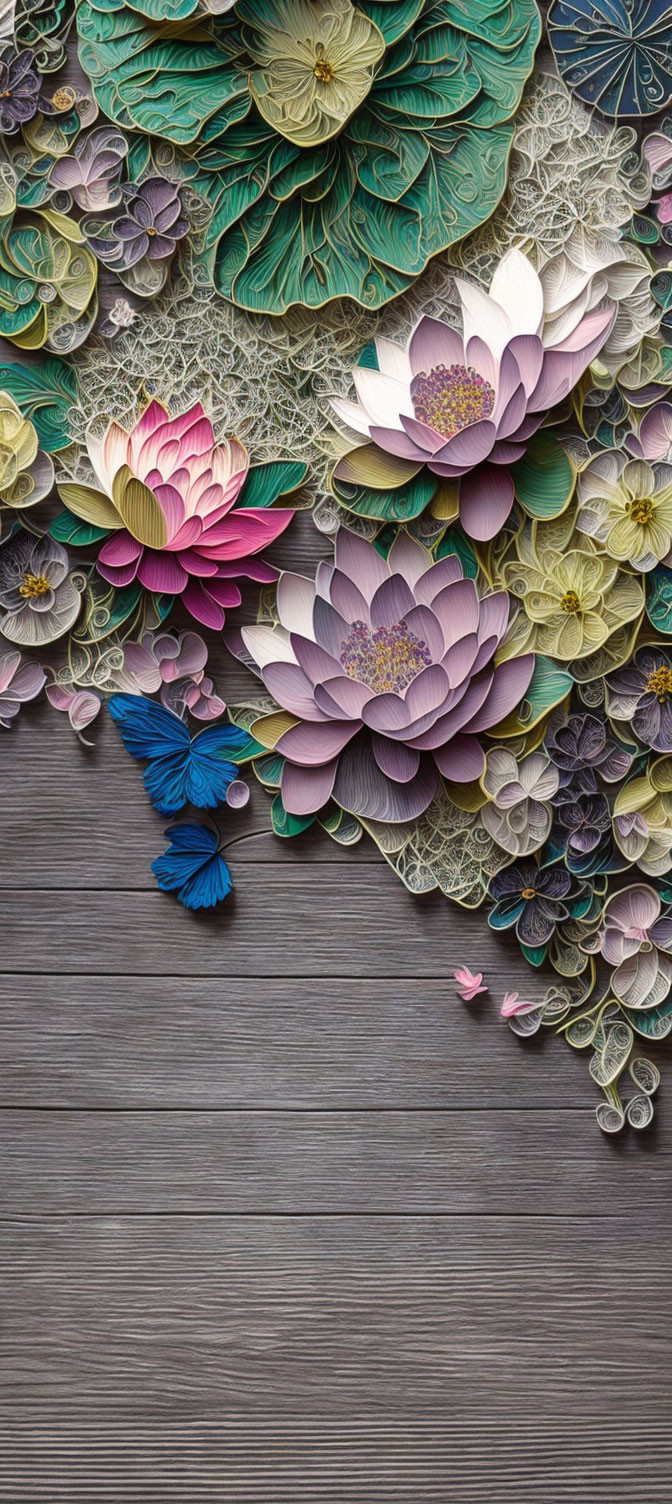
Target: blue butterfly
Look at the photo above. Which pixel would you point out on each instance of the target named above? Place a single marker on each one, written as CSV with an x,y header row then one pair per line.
x,y
181,770
193,868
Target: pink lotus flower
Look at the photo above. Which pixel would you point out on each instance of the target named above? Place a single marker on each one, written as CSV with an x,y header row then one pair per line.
x,y
386,666
468,985
169,492
456,400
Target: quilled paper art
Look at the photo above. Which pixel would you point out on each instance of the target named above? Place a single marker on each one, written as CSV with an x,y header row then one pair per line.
x,y
338,146
616,54
468,985
386,669
166,493
464,403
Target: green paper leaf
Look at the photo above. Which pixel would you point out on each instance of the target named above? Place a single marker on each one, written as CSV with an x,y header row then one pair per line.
x,y
535,955
45,392
66,528
659,599
288,825
401,505
265,483
454,541
544,479
548,687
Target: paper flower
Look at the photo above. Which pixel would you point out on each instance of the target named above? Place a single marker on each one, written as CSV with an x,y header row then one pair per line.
x,y
468,985
339,146
169,492
642,819
584,820
615,54
640,694
39,599
534,899
580,745
627,505
464,403
173,664
590,267
19,682
80,705
387,667
519,817
26,472
654,440
514,1004
92,170
636,940
143,236
575,598
19,89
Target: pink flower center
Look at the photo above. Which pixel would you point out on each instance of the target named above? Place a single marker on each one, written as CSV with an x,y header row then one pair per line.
x,y
450,398
387,659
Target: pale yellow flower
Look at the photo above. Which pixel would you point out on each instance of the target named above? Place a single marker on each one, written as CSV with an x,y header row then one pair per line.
x,y
26,473
575,598
314,64
642,819
627,505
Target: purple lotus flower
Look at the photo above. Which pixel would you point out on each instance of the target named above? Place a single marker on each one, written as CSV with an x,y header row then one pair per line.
x,y
534,899
91,171
150,224
387,667
18,682
641,693
19,89
580,745
636,939
465,404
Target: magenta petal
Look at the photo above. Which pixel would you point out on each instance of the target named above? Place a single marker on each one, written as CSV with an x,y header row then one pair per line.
x,y
118,575
462,759
246,531
316,742
194,563
161,573
395,759
120,549
201,606
508,688
486,498
305,790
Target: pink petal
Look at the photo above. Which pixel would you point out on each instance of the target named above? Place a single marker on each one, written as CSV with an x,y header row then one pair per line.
x,y
161,573
395,760
306,789
434,343
120,549
316,742
508,688
462,760
486,499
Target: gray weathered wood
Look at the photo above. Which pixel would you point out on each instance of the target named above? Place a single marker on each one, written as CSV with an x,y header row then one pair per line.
x,y
284,1042
302,1163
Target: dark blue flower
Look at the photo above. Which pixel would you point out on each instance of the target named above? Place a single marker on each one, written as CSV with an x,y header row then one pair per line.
x,y
615,54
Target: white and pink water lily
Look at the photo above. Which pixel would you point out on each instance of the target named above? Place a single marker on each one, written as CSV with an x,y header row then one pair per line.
x,y
168,493
386,668
465,402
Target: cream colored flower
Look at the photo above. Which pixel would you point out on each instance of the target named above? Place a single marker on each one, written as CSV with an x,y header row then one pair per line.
x,y
642,819
519,816
627,505
315,62
575,598
26,473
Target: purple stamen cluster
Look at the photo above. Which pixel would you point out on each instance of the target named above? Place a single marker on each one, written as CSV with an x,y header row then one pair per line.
x,y
386,659
450,398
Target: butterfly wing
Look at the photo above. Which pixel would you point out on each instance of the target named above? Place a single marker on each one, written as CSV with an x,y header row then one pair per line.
x,y
192,868
151,732
213,764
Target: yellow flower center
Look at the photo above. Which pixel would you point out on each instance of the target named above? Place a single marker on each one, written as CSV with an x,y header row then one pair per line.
x,y
387,659
34,585
642,511
323,70
659,684
528,893
570,602
63,98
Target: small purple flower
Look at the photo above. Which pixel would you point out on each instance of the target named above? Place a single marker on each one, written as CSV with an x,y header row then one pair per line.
x,y
637,939
39,600
641,693
19,89
533,898
150,224
584,821
581,745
